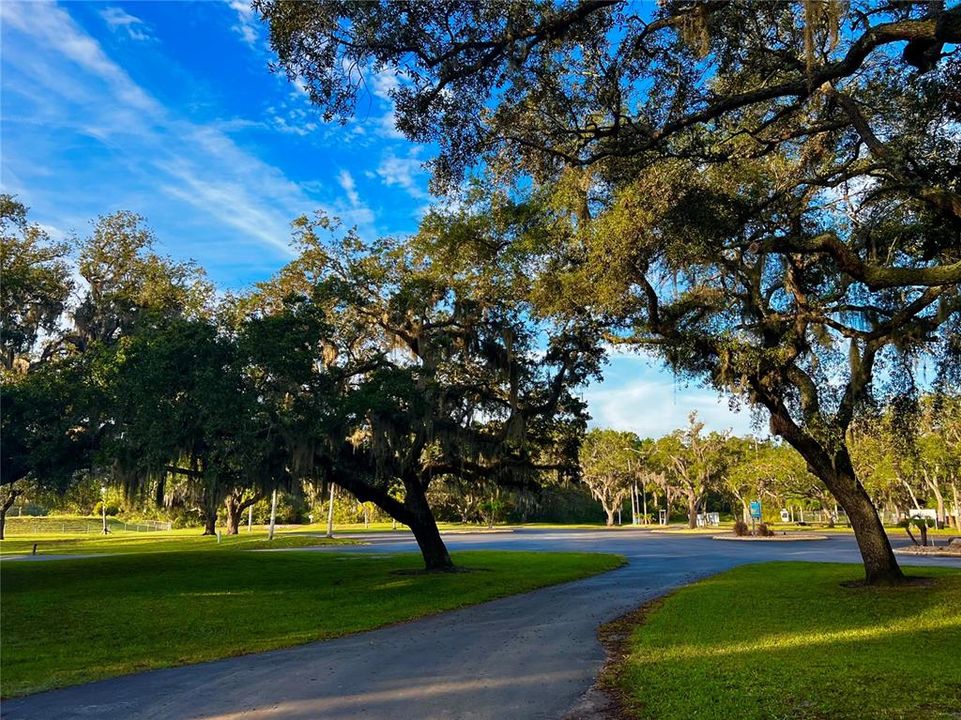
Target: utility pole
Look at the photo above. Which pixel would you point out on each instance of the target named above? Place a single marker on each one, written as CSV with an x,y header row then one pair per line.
x,y
330,513
273,515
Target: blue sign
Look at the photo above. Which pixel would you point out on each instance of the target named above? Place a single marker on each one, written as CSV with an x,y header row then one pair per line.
x,y
756,509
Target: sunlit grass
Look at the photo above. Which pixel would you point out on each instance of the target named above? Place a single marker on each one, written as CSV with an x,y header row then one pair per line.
x,y
160,541
787,640
71,621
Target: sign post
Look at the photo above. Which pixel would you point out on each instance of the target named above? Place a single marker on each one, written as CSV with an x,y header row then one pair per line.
x,y
755,512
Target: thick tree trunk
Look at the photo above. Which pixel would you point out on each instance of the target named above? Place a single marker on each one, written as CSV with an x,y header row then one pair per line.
x,y
235,505
610,516
837,473
233,515
12,495
210,523
691,511
424,527
880,565
414,511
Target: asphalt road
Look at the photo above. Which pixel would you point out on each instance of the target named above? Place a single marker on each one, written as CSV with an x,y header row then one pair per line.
x,y
527,656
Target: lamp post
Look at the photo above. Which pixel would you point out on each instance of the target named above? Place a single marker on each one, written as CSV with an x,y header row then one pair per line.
x,y
330,513
103,509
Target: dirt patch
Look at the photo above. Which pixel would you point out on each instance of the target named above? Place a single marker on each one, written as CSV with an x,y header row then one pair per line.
x,y
606,699
783,537
423,571
909,581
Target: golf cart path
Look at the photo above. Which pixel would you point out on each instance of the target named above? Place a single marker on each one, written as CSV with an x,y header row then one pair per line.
x,y
526,656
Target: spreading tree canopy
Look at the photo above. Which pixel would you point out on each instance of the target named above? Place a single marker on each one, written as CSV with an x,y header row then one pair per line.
x,y
416,369
766,194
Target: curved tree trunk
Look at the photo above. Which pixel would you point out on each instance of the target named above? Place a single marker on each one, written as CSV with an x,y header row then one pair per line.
x,y
610,515
957,506
424,527
414,511
880,565
7,503
837,473
235,505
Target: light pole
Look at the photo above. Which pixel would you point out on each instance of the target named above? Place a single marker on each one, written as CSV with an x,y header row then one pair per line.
x,y
330,513
103,509
273,515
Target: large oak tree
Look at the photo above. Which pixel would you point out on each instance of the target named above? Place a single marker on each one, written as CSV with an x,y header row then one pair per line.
x,y
416,369
764,193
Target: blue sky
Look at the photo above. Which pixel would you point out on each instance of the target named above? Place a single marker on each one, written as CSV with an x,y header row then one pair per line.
x,y
168,109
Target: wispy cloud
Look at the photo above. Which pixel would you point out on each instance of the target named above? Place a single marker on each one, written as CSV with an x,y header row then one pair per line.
x,y
635,396
357,213
247,25
64,79
346,181
407,173
119,20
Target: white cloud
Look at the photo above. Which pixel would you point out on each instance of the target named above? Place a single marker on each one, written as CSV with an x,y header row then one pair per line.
x,y
346,181
384,84
247,25
638,397
386,126
652,409
404,173
62,77
118,20
358,213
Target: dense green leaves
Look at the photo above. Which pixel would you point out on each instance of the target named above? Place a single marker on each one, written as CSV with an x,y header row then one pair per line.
x,y
35,288
765,195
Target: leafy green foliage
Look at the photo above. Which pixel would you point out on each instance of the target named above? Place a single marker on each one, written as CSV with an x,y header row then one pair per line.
x,y
607,457
35,289
766,201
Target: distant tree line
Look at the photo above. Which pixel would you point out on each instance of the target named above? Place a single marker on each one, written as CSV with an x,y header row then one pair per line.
x,y
909,459
765,196
373,366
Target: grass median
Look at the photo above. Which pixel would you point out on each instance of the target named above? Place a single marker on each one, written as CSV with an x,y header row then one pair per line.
x,y
788,640
73,621
162,541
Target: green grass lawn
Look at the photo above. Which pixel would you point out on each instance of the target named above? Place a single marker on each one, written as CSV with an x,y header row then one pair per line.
x,y
787,640
72,621
160,541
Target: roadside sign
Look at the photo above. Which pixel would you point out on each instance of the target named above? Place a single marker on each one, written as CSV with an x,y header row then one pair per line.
x,y
785,515
756,509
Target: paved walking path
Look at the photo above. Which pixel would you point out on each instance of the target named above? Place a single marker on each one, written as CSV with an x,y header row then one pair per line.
x,y
527,656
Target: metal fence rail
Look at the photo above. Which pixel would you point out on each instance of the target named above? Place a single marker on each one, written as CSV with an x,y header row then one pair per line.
x,y
65,525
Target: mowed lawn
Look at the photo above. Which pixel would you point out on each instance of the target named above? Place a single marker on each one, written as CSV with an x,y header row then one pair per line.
x,y
164,541
787,640
72,621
